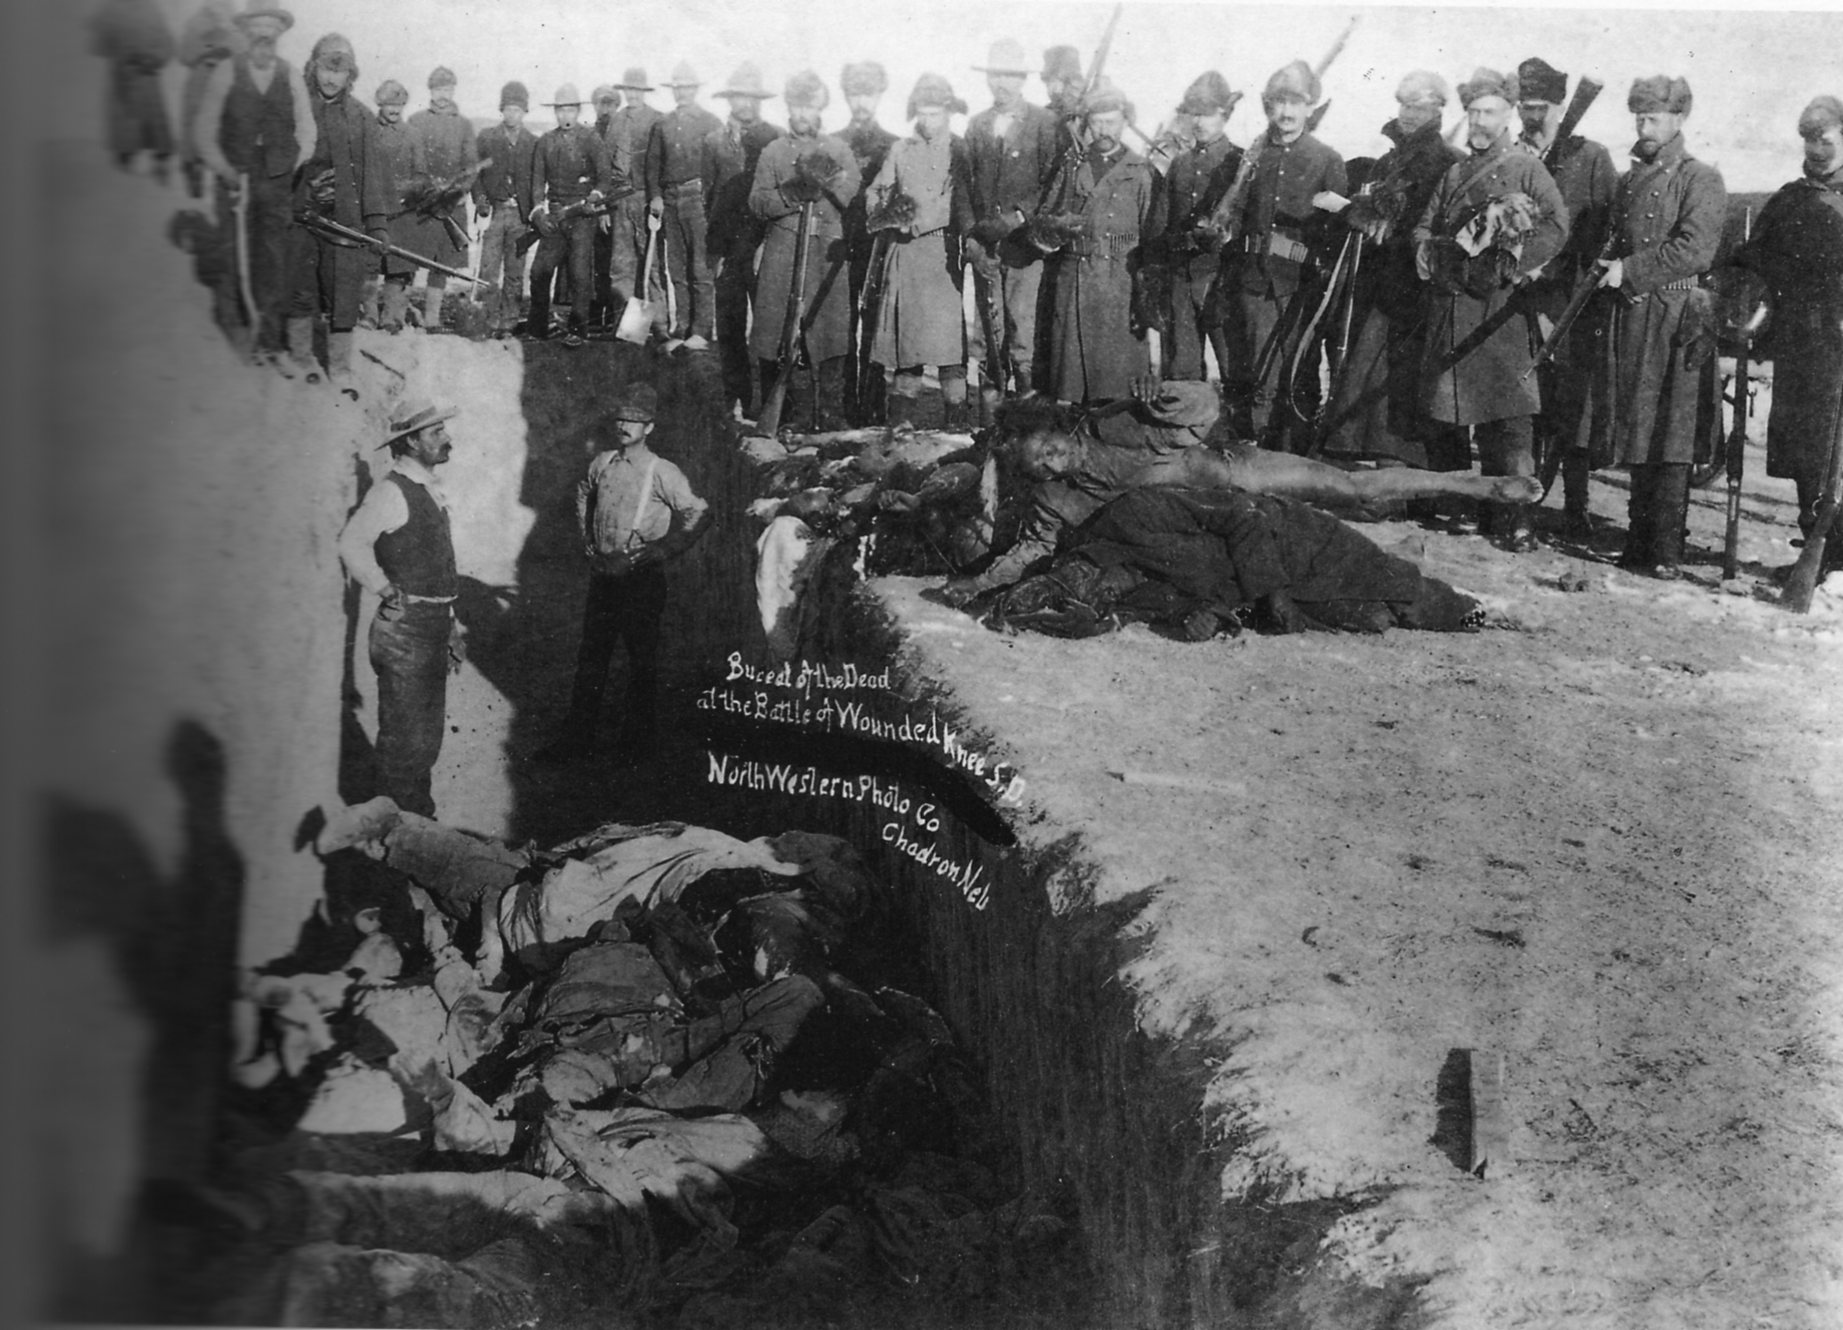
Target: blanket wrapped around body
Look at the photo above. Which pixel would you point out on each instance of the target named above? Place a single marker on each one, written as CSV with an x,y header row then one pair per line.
x,y
1199,562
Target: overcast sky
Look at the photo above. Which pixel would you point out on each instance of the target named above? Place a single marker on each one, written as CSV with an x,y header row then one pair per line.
x,y
1751,71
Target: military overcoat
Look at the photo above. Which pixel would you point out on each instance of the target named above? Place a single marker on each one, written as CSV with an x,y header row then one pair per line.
x,y
1095,352
825,322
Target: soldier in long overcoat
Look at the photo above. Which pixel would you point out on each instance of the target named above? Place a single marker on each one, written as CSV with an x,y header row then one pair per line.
x,y
1503,204
1103,309
443,147
920,197
1584,174
1375,409
406,228
1199,176
347,178
1797,248
1656,375
133,36
734,232
805,166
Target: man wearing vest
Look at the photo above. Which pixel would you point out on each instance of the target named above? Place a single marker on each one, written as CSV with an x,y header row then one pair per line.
x,y
399,547
636,511
254,128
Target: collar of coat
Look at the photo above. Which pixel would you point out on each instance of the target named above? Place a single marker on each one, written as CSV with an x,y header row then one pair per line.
x,y
1668,154
1402,138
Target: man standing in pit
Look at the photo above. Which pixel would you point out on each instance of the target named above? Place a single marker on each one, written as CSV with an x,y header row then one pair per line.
x,y
399,546
568,168
1011,148
636,512
678,168
733,233
1584,174
502,199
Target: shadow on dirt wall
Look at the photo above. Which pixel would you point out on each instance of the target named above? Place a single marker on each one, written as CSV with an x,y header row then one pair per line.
x,y
525,644
132,1093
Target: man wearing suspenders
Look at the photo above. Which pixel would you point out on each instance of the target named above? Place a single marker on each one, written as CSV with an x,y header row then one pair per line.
x,y
636,511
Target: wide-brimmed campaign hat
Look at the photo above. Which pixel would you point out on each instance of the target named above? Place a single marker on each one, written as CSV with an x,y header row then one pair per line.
x,y
684,76
412,414
567,95
1005,57
634,80
746,82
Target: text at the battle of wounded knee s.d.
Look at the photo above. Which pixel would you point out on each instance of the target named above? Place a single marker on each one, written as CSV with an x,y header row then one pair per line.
x,y
831,712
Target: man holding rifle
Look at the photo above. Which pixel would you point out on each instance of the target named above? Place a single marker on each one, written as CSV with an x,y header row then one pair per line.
x,y
1494,221
863,84
1273,261
1656,374
1198,178
1797,249
800,169
569,169
1583,172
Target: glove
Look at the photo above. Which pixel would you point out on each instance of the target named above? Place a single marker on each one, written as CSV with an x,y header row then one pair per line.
x,y
322,192
802,189
991,233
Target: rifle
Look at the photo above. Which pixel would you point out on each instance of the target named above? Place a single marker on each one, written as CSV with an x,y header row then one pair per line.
x,y
339,233
1737,440
1353,246
1058,183
1225,219
1582,295
870,301
570,212
776,401
435,199
1585,90
1802,581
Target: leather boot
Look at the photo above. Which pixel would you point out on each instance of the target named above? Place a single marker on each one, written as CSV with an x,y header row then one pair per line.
x,y
432,308
301,348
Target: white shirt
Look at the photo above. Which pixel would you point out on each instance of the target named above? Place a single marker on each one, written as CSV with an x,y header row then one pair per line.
x,y
384,510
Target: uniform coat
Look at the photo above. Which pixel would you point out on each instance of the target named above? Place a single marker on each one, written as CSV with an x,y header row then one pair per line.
x,y
825,322
1657,370
133,37
919,320
406,228
442,146
568,163
1196,182
1465,381
1007,177
679,171
629,131
734,234
322,274
1797,246
1376,411
1095,352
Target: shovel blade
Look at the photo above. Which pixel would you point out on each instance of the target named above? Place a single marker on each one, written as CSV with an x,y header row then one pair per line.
x,y
636,321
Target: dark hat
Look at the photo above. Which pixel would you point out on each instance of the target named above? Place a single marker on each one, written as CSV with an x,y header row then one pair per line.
x,y
634,80
566,96
746,82
514,94
1539,81
603,92
640,402
391,93
412,414
933,90
1208,94
806,89
863,76
334,52
1106,96
1488,83
1293,81
442,77
256,9
1823,113
1422,87
1005,56
1660,92
1062,62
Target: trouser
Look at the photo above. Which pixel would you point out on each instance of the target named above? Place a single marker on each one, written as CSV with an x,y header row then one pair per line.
x,y
906,390
460,870
735,293
409,651
1655,514
683,228
733,1049
1007,287
502,267
327,277
628,260
270,228
1565,384
1195,322
621,609
1505,448
572,245
601,307
816,397
1254,408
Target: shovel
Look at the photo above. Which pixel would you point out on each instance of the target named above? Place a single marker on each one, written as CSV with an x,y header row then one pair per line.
x,y
638,318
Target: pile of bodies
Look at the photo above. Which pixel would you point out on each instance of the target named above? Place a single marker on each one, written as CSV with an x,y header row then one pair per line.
x,y
632,1076
1148,513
